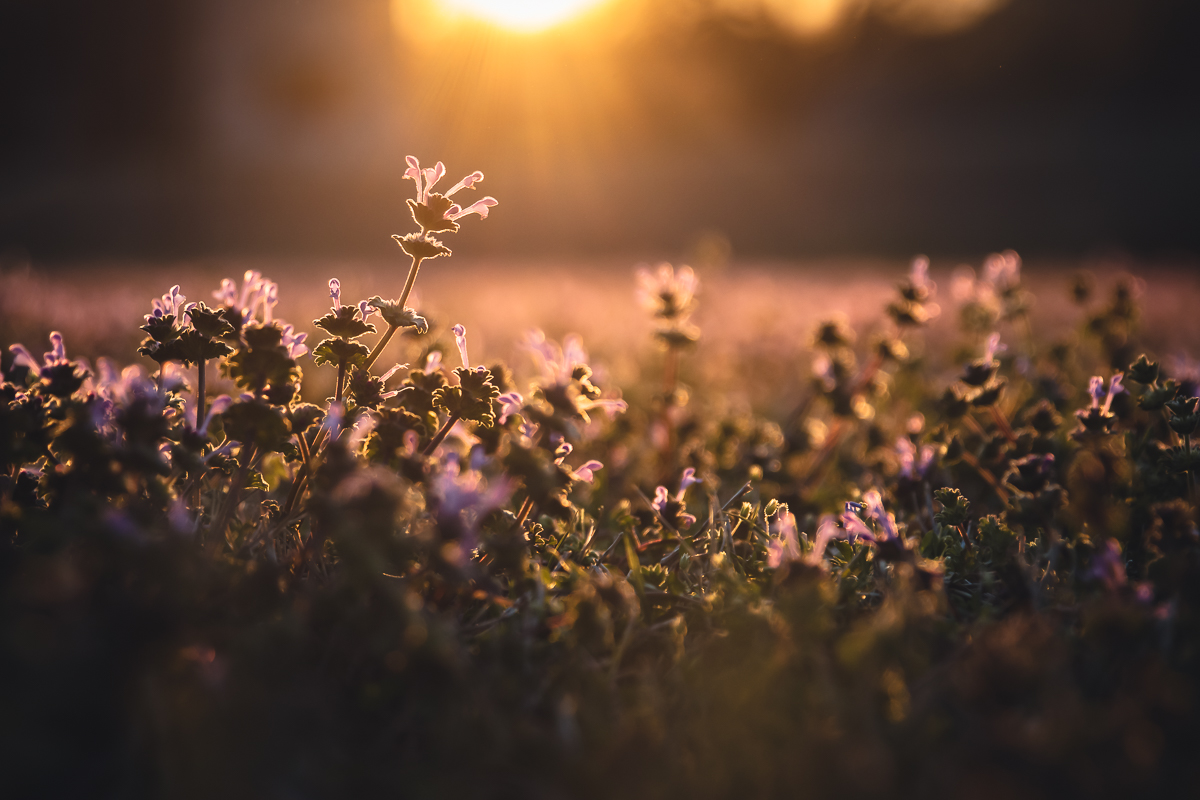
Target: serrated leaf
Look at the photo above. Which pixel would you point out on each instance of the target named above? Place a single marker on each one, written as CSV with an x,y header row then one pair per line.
x,y
340,352
255,422
397,317
472,398
210,322
431,215
420,247
344,323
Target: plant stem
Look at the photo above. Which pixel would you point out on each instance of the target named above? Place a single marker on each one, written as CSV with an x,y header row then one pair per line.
x,y
341,383
1002,424
378,349
1191,479
391,331
232,499
196,498
408,283
200,398
440,435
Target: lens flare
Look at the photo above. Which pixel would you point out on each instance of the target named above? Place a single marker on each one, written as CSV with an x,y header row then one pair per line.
x,y
527,16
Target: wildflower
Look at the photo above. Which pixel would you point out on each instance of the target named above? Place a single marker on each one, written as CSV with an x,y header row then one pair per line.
x,y
1002,270
876,512
293,342
562,448
59,376
437,213
827,531
784,547
383,379
171,304
918,278
464,498
872,509
1098,417
667,292
687,479
587,472
566,377
257,293
914,463
672,508
460,339
429,202
511,404
433,362
914,307
979,372
992,347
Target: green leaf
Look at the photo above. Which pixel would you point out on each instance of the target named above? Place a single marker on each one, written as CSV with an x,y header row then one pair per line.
x,y
161,329
418,246
262,361
209,322
397,317
344,323
472,398
431,215
340,352
304,415
255,422
955,508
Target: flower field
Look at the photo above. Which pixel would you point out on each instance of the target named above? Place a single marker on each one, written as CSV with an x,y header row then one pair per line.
x,y
431,529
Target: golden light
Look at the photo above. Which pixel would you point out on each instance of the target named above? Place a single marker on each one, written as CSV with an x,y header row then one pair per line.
x,y
527,16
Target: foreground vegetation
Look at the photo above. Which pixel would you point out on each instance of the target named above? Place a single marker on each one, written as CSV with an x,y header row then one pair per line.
x,y
440,583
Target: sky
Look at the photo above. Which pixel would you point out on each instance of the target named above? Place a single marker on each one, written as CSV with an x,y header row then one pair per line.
x,y
783,128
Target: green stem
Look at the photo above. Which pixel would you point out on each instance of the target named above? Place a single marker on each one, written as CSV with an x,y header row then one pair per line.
x,y
378,349
391,331
341,383
200,398
232,499
440,435
1191,479
408,283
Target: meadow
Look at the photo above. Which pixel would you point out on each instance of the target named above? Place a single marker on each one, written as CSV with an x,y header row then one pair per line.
x,y
854,529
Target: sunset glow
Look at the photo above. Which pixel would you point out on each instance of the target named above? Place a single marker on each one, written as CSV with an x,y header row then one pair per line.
x,y
520,15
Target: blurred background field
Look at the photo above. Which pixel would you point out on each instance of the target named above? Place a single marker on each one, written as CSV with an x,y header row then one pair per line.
x,y
758,317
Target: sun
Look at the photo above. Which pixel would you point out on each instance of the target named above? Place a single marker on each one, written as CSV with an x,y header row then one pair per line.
x,y
527,16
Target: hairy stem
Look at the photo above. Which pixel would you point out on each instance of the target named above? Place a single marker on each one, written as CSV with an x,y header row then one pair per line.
x,y
378,349
440,436
232,499
391,331
408,283
341,383
200,398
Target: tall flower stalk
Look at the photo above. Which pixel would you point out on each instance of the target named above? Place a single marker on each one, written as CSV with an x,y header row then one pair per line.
x,y
434,213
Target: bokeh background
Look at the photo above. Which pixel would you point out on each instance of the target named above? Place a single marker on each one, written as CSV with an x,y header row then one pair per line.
x,y
638,129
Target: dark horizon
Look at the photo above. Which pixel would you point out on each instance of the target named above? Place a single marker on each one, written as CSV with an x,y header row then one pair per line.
x,y
196,129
